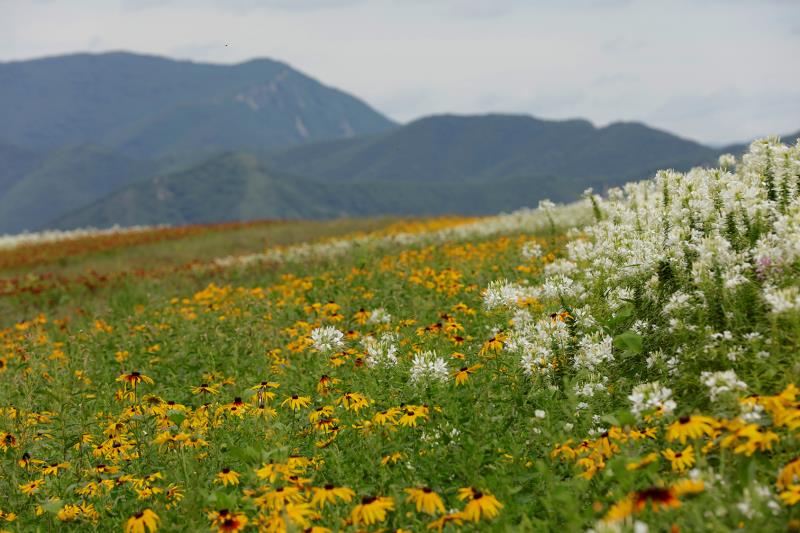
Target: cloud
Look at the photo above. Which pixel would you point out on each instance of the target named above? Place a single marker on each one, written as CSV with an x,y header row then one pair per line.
x,y
240,6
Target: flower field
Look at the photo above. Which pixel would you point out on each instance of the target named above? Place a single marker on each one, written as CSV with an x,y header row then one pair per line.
x,y
626,363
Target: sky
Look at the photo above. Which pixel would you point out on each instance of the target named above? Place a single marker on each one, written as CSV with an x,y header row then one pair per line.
x,y
711,70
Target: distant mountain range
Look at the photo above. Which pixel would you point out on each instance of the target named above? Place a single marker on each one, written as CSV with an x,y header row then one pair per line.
x,y
128,139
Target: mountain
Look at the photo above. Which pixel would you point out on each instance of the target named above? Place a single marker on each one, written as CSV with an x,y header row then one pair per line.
x,y
491,147
47,185
16,163
147,106
446,164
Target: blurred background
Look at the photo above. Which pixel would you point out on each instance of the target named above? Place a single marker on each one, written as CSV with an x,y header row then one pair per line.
x,y
201,111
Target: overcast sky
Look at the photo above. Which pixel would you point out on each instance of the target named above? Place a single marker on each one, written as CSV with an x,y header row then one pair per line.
x,y
711,70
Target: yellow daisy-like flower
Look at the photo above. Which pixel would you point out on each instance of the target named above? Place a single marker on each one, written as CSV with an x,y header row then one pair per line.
x,y
680,460
52,469
371,510
691,427
791,496
134,378
463,374
650,458
227,521
454,518
226,476
329,494
142,522
411,414
205,388
296,402
480,504
789,474
425,500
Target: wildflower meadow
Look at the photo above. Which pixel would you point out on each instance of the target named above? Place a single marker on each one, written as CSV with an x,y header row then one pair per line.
x,y
625,363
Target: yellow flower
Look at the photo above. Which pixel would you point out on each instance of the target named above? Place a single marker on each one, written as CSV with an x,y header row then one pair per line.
x,y
439,523
329,493
789,474
463,374
226,476
142,522
650,458
227,521
353,401
692,427
296,402
425,500
52,469
371,510
205,388
791,495
134,378
299,514
392,458
480,504
688,486
410,415
680,460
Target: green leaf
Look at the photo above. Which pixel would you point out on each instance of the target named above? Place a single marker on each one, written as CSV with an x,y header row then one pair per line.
x,y
629,341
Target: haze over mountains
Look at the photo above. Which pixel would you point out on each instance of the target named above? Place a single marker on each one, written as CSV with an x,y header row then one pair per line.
x,y
129,139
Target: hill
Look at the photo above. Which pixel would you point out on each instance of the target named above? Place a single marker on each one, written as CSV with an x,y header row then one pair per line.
x,y
491,147
449,164
149,106
46,185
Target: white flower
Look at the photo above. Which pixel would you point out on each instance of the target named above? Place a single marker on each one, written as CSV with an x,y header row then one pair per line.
x,y
539,414
379,316
327,339
427,366
782,300
648,397
380,352
727,161
531,250
593,351
722,382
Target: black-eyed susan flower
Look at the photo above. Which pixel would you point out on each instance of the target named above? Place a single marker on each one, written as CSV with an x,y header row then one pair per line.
x,y
789,474
425,500
691,427
452,518
276,499
648,459
411,414
145,521
53,468
134,378
480,504
680,460
371,510
329,494
296,402
228,521
7,440
32,487
791,495
392,458
463,374
205,388
226,476
353,401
